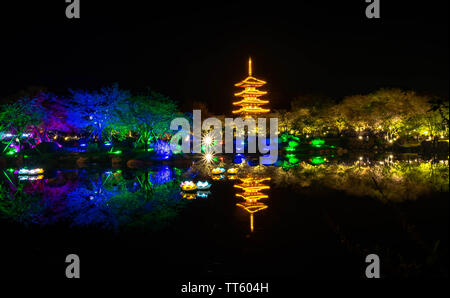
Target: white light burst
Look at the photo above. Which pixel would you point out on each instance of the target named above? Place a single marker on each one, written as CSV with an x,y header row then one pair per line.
x,y
208,157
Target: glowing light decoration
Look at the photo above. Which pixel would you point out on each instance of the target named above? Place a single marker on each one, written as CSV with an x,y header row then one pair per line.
x,y
11,152
6,135
232,171
293,160
250,103
317,160
293,144
217,171
218,177
163,176
30,172
163,149
208,157
203,194
238,158
188,196
208,140
31,178
317,143
203,185
188,186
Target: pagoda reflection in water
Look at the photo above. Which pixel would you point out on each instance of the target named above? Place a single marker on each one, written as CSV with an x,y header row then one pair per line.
x,y
252,188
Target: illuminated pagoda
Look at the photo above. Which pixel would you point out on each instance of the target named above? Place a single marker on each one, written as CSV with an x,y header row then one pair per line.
x,y
252,188
250,103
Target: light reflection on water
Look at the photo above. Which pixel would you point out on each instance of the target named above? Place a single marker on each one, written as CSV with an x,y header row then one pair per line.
x,y
122,199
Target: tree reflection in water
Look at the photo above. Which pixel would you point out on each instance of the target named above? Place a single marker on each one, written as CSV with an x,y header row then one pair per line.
x,y
108,200
149,200
117,200
390,181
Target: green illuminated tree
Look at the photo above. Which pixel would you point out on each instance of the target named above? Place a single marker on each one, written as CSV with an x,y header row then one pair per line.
x,y
149,116
18,117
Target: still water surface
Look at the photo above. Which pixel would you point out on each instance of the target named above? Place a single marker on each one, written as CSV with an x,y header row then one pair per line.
x,y
310,219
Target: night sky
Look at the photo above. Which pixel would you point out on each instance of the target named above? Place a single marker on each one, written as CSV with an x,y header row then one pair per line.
x,y
192,52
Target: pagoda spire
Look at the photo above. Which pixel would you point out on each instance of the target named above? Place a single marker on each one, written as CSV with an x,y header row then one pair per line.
x,y
250,67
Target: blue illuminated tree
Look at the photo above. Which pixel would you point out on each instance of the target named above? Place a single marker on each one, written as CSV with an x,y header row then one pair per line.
x,y
92,110
152,205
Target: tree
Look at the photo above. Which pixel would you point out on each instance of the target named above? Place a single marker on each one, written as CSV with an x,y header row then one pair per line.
x,y
336,119
202,106
18,117
441,106
54,117
310,113
92,110
391,111
285,120
149,116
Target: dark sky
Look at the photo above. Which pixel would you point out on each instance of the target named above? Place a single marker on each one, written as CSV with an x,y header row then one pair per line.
x,y
197,52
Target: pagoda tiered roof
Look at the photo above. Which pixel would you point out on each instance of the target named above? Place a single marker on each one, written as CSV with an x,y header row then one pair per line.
x,y
250,104
250,101
252,188
252,207
251,82
249,110
250,93
252,197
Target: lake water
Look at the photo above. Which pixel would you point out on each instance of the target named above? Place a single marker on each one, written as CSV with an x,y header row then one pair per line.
x,y
309,217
